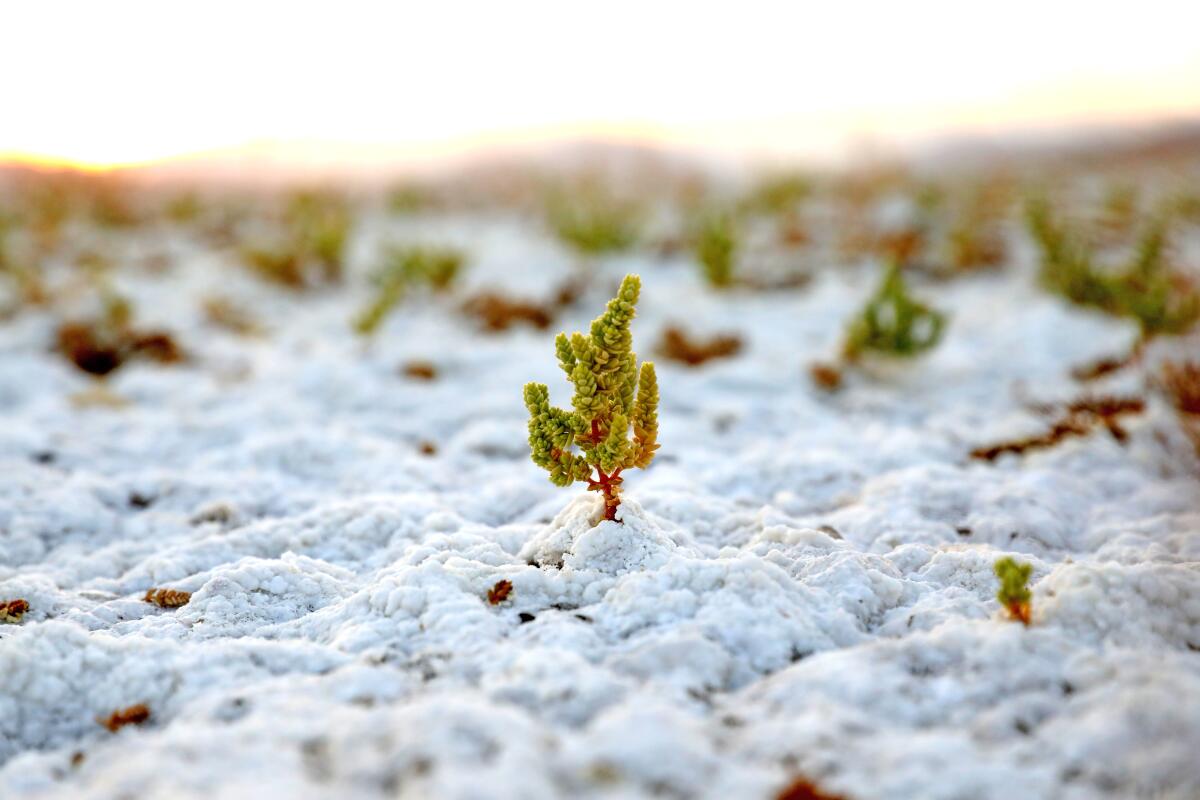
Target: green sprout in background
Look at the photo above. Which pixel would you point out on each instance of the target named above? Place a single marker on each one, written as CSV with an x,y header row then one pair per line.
x,y
611,395
403,269
592,222
716,244
1145,290
1014,592
891,324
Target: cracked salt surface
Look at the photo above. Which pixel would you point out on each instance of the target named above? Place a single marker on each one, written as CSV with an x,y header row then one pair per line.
x,y
802,583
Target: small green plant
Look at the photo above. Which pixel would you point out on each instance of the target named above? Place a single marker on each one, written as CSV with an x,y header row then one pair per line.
x,y
1145,289
593,223
716,249
1014,592
403,269
779,194
611,395
893,323
319,224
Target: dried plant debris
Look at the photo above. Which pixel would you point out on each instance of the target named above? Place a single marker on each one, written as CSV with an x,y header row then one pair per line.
x,y
804,789
12,610
1181,384
102,344
825,375
1078,418
497,312
1103,367
676,345
133,715
167,598
419,369
1014,594
500,592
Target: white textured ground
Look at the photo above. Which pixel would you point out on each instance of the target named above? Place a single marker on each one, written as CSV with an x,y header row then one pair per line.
x,y
803,583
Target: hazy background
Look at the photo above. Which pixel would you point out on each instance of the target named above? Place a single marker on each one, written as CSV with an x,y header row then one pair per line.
x,y
353,87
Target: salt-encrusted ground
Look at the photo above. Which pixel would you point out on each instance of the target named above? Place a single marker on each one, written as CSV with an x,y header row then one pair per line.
x,y
802,586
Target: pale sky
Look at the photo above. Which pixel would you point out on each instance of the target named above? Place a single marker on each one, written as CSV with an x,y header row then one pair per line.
x,y
104,83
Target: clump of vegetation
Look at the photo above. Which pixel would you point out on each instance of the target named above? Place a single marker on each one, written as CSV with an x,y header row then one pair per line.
x,y
592,222
677,345
102,344
612,395
133,715
405,269
167,598
320,225
778,195
308,247
716,249
892,324
410,198
1014,592
500,592
11,611
1145,290
1078,418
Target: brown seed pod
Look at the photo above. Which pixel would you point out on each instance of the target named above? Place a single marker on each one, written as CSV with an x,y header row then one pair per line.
x,y
500,592
13,610
133,715
167,598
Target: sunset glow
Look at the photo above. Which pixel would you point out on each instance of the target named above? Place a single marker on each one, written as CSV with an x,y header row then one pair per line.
x,y
103,85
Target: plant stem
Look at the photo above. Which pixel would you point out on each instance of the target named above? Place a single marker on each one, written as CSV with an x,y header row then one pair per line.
x,y
610,487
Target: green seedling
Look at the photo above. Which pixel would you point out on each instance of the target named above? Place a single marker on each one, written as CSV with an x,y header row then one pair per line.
x,y
612,395
777,195
592,223
893,323
405,269
1145,290
320,226
1014,592
716,249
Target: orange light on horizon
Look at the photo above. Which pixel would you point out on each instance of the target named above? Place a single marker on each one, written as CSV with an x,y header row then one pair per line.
x,y
135,82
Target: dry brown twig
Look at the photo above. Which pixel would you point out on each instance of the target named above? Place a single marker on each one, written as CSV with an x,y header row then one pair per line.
x,y
133,715
1078,418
